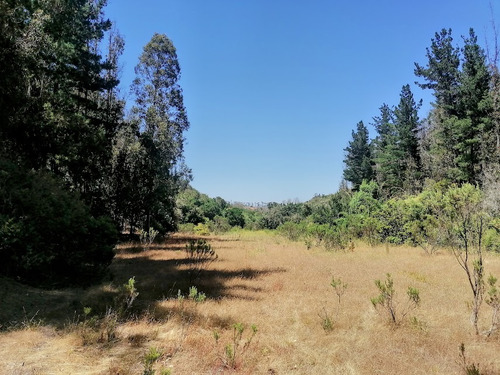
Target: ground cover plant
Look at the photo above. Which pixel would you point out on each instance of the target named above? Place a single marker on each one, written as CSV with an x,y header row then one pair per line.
x,y
260,279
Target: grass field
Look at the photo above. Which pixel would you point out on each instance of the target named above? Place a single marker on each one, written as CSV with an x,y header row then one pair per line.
x,y
262,279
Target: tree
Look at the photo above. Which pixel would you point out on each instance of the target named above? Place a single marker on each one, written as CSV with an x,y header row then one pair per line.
x,y
387,154
235,217
358,160
442,71
442,76
407,124
47,234
473,123
461,129
161,120
465,223
57,134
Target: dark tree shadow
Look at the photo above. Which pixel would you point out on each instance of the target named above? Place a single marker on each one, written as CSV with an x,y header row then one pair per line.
x,y
156,280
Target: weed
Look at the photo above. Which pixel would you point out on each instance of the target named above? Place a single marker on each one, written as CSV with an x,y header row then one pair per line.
x,y
386,300
30,322
339,286
418,324
130,292
126,296
150,359
235,349
327,321
200,255
148,237
196,296
94,330
468,368
493,300
202,229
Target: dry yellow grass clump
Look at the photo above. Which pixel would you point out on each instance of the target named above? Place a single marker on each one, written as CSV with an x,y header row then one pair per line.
x,y
258,279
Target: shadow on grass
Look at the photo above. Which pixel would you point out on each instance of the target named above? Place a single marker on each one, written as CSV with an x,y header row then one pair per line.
x,y
156,280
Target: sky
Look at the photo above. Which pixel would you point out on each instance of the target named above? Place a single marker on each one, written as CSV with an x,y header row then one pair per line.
x,y
274,88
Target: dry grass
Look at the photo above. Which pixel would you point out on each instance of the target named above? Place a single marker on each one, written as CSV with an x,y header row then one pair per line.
x,y
265,280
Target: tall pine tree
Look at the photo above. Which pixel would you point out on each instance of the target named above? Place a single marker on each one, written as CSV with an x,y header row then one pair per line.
x,y
358,159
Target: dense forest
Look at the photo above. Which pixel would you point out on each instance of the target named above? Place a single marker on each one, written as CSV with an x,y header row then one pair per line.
x,y
76,169
79,166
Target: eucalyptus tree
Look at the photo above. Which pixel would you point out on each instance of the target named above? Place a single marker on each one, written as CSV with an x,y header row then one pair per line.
x,y
161,120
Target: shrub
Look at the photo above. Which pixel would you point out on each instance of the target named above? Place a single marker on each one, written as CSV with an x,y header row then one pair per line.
x,y
148,237
202,229
465,223
47,235
219,224
492,236
493,300
200,254
292,231
386,300
238,346
150,359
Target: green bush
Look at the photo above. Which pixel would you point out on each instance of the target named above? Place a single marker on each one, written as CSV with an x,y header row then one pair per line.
x,y
202,229
492,236
47,235
292,231
219,225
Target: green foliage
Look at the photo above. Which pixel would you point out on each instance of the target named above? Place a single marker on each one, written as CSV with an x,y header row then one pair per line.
x,y
196,296
147,237
201,229
159,119
386,300
235,217
293,231
47,235
493,300
423,223
219,225
150,359
358,160
238,345
129,292
442,70
492,236
276,214
396,148
363,208
196,208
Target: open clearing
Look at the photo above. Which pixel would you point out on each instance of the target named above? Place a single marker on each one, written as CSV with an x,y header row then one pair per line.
x,y
259,278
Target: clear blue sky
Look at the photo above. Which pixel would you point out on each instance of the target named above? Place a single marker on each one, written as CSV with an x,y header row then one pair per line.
x,y
273,88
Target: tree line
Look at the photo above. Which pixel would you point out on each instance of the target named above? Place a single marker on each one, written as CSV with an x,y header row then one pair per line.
x,y
76,167
458,141
403,185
